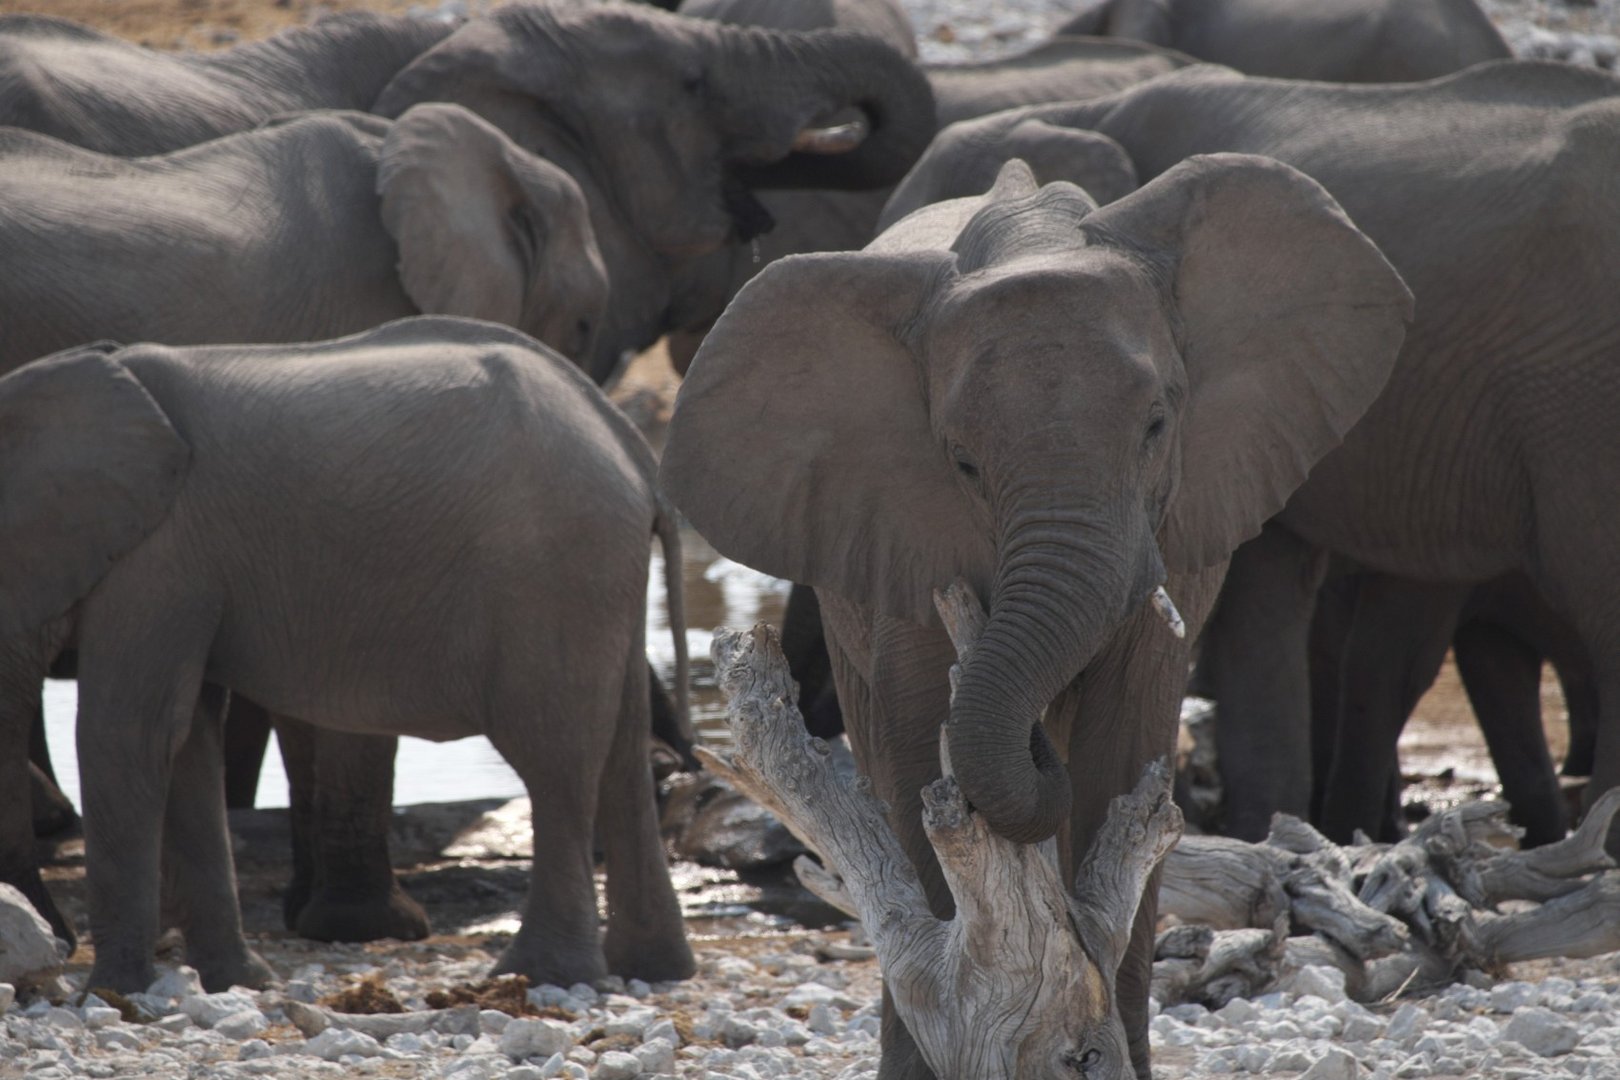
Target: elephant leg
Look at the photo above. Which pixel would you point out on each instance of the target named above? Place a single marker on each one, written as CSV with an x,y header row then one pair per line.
x,y
1121,715
561,758
666,724
247,735
1502,675
894,703
1257,642
22,673
1330,633
646,936
353,894
1398,639
804,644
296,740
135,712
1581,702
197,862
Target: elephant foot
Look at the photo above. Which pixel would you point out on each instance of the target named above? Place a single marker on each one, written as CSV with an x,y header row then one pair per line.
x,y
394,915
246,968
659,961
583,964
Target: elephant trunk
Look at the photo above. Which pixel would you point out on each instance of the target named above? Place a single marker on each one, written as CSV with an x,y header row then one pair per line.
x,y
1065,583
857,114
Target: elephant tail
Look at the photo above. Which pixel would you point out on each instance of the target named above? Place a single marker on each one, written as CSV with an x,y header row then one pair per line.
x,y
669,538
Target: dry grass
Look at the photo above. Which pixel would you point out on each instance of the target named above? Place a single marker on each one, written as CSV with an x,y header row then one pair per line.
x,y
195,24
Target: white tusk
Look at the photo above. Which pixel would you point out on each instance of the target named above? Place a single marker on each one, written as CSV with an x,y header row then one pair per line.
x,y
838,139
1167,611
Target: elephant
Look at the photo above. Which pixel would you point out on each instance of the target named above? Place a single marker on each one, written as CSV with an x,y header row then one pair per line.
x,y
1081,412
322,225
1064,69
1359,41
237,240
449,497
716,112
1461,471
1387,638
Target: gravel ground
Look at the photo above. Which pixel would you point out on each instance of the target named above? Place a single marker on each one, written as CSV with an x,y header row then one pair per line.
x,y
805,1003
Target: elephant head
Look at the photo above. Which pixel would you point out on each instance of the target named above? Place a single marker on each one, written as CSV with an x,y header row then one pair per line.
x,y
1060,403
677,119
487,230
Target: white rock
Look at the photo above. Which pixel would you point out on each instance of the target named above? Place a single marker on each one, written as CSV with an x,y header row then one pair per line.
x,y
334,1043
493,1021
97,1017
656,1056
527,1038
1336,1064
822,1021
180,982
1320,981
1542,1032
206,1010
242,1025
633,1022
1512,996
524,1072
637,989
29,954
8,994
662,1029
616,1065
1238,1011
1408,1023
63,1019
553,1065
1290,1059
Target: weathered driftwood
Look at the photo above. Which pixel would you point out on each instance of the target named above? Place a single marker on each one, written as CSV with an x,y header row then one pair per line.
x,y
1019,982
311,1020
1411,915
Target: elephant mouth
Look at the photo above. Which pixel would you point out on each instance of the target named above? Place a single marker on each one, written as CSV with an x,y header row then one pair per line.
x,y
749,217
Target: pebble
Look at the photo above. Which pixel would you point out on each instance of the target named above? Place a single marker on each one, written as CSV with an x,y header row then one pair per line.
x,y
1542,1032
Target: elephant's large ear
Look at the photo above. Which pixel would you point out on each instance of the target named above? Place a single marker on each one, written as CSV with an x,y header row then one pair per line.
x,y
88,467
482,50
801,441
472,214
1291,320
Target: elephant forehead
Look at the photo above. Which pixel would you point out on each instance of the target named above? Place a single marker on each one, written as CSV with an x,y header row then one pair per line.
x,y
1093,303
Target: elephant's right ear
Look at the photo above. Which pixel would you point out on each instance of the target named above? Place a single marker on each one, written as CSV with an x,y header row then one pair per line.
x,y
801,442
88,467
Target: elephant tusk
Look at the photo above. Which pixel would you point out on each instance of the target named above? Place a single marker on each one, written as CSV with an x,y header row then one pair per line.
x,y
838,139
1167,611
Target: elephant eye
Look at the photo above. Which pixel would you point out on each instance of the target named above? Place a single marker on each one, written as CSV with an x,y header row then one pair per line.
x,y
1155,427
583,328
693,83
964,464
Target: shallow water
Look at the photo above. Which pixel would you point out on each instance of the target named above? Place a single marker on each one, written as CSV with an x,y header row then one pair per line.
x,y
1442,739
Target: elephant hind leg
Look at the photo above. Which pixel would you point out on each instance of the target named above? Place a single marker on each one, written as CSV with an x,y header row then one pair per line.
x,y
351,893
646,937
19,705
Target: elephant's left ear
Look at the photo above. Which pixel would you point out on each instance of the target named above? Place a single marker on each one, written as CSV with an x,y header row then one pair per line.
x,y
89,465
1291,320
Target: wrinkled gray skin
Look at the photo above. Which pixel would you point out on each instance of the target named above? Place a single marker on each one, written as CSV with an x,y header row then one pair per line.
x,y
714,112
1065,406
1330,40
1384,639
322,225
1461,471
809,221
134,530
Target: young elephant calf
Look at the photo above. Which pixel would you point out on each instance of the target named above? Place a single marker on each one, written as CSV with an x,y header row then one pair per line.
x,y
436,528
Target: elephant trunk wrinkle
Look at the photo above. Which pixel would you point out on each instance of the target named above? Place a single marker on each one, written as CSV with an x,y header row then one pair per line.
x,y
1054,602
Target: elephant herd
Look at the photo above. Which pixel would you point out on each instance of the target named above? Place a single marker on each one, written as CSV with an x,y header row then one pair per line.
x,y
1283,325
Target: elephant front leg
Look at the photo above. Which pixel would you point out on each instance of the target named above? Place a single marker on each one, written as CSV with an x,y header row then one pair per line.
x,y
197,858
353,894
1255,651
21,675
